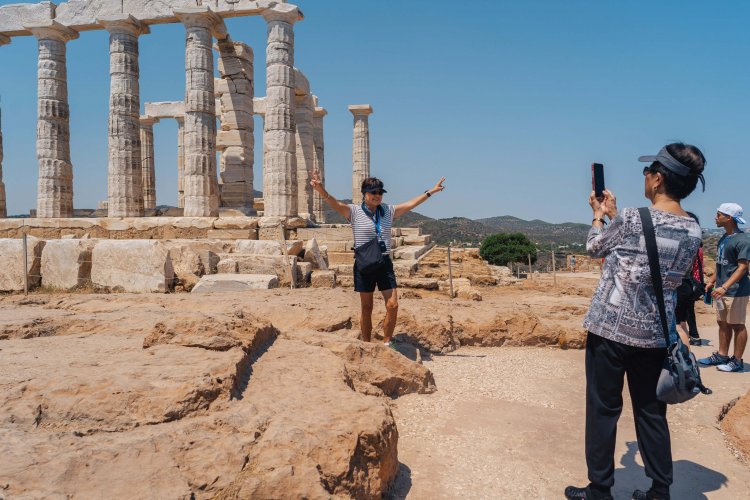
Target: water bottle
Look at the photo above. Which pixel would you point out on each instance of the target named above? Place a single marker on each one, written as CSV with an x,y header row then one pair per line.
x,y
707,299
719,304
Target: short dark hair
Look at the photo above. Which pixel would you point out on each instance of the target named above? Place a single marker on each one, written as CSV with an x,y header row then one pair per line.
x,y
680,186
371,183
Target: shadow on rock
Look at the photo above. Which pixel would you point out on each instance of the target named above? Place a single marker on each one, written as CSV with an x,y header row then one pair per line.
x,y
691,480
401,485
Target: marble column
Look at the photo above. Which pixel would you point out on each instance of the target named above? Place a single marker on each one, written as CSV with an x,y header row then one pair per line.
x,y
125,173
55,188
305,154
200,184
180,161
360,149
279,148
147,162
319,205
3,208
235,140
4,40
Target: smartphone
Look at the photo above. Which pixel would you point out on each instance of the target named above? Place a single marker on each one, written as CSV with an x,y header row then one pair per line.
x,y
597,180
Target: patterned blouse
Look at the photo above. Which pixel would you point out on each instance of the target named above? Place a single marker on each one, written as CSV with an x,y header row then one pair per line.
x,y
624,308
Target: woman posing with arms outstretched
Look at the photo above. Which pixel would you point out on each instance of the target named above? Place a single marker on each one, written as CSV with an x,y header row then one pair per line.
x,y
370,221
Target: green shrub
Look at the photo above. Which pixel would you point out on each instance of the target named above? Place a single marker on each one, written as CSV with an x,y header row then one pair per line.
x,y
500,249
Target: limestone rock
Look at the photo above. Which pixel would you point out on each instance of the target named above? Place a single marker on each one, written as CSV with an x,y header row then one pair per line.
x,y
190,263
12,270
235,283
268,247
323,279
468,293
66,264
132,266
736,425
304,271
314,255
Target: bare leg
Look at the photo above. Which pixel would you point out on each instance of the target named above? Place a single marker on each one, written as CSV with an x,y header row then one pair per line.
x,y
366,317
391,313
682,331
740,340
725,336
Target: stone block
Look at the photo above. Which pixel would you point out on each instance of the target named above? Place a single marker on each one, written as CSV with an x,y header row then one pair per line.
x,y
227,266
411,231
343,269
12,270
66,264
283,267
412,252
268,247
422,239
323,279
341,233
194,222
13,17
231,234
420,283
238,222
314,255
190,262
132,266
304,270
235,283
347,281
405,268
395,231
335,258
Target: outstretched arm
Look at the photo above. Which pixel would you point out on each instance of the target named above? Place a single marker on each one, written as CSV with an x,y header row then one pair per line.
x,y
335,204
402,208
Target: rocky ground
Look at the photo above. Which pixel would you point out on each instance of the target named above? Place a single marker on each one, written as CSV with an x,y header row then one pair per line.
x,y
269,394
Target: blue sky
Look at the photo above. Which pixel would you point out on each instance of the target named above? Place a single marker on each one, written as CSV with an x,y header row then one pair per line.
x,y
511,101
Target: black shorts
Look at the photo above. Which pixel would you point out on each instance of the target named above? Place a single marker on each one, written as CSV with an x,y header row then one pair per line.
x,y
384,278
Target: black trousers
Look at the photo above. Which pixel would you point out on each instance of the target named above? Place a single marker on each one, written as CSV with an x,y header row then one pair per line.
x,y
691,321
607,363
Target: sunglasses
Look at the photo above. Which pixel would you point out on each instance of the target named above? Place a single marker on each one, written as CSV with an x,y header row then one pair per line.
x,y
377,192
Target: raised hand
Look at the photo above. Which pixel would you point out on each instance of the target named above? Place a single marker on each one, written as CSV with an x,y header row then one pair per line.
x,y
315,183
438,186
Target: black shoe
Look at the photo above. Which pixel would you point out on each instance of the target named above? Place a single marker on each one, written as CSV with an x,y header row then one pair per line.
x,y
576,493
695,341
646,495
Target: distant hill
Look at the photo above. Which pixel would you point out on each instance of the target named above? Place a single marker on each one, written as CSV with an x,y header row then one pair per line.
x,y
464,231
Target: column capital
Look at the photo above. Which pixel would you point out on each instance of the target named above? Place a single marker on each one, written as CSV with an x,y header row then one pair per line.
x,y
284,12
205,17
319,112
52,30
360,109
148,120
124,23
4,40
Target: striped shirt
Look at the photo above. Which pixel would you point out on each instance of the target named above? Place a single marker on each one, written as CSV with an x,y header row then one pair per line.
x,y
363,226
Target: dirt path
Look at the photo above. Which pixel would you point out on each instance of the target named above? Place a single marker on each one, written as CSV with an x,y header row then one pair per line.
x,y
509,423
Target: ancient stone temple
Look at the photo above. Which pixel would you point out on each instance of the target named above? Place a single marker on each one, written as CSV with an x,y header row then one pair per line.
x,y
289,131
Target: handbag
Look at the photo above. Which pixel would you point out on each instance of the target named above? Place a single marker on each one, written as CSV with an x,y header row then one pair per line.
x,y
369,257
680,378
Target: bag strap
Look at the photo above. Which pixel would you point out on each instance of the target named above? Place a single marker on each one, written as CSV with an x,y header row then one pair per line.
x,y
653,262
700,266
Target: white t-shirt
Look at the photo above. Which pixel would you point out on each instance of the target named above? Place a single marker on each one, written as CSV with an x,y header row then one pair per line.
x,y
363,226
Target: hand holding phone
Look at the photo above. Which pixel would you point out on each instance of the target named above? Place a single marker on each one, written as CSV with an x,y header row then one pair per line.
x,y
597,180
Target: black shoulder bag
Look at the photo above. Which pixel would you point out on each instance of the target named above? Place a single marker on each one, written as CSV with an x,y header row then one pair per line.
x,y
680,378
369,257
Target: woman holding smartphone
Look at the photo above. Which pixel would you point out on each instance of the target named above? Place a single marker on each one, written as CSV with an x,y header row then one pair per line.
x,y
625,335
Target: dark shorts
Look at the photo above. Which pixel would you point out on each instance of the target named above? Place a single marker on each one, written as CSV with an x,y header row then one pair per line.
x,y
384,278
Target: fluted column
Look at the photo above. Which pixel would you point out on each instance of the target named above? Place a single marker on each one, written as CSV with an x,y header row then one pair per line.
x,y
147,161
3,208
55,188
305,154
180,162
200,184
125,172
235,140
319,162
279,148
360,149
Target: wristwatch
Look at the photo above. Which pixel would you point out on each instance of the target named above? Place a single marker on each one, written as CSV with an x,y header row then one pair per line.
x,y
427,192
